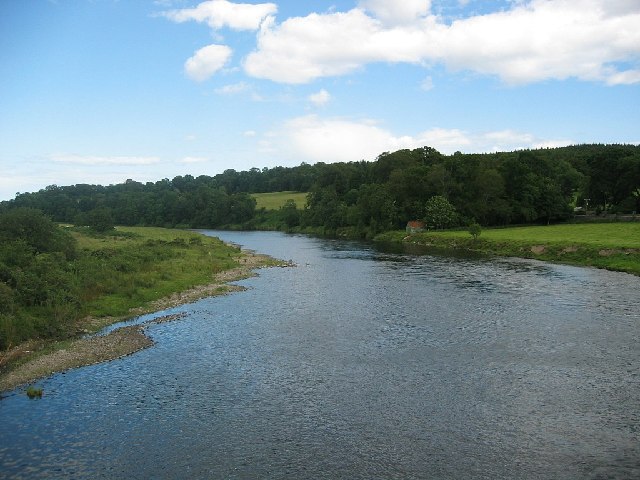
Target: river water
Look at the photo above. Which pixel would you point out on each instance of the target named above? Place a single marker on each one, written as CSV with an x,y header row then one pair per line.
x,y
358,363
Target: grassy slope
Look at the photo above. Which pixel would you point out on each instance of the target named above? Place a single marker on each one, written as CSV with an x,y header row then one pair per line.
x,y
614,246
274,200
151,264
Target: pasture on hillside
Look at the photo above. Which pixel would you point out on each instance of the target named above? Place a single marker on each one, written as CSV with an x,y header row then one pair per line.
x,y
606,235
275,200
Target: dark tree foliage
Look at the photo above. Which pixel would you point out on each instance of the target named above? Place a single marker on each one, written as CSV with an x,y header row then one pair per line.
x,y
289,214
529,186
37,294
99,219
35,231
184,201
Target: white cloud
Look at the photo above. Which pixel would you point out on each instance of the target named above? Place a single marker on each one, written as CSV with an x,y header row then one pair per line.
x,y
333,140
249,133
233,89
620,7
394,13
444,140
305,48
543,40
532,41
550,144
320,98
99,160
450,140
314,139
207,61
221,13
427,84
628,77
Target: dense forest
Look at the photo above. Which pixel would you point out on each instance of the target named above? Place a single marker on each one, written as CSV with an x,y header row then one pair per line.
x,y
367,197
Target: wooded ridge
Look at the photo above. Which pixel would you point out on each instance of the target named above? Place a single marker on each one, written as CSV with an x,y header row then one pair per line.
x,y
366,198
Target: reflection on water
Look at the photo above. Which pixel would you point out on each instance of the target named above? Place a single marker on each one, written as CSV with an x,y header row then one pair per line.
x,y
358,364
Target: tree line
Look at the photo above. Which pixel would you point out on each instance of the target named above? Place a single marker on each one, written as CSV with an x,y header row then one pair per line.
x,y
367,197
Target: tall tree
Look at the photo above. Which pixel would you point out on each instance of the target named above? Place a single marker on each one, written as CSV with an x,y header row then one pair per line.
x,y
440,213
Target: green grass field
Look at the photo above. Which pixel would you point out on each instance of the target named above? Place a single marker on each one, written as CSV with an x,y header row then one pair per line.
x,y
613,246
274,200
605,235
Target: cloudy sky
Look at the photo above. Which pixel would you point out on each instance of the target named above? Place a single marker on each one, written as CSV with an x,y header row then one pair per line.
x,y
99,91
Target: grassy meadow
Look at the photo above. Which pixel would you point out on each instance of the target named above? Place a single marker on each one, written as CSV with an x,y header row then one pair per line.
x,y
614,246
137,265
604,235
275,200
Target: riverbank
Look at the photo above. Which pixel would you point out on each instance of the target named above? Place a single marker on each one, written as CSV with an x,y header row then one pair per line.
x,y
611,246
36,359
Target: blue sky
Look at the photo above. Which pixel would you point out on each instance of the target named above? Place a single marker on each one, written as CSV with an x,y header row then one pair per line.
x,y
99,91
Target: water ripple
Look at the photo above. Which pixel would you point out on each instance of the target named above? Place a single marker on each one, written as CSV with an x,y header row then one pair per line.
x,y
358,364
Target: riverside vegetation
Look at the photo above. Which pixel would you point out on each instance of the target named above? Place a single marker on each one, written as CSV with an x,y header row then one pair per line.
x,y
364,198
57,283
614,246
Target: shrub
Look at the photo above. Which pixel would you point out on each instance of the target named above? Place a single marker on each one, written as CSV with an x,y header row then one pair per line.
x,y
33,392
475,230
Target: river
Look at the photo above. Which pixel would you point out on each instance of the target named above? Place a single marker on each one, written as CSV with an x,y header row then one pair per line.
x,y
361,364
